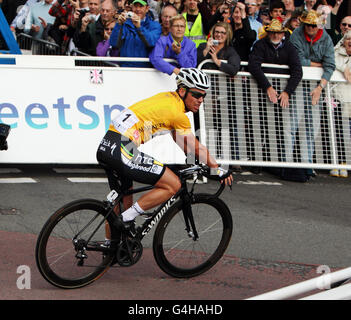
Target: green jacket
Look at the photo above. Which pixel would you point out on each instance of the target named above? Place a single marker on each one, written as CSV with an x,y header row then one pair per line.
x,y
321,51
196,33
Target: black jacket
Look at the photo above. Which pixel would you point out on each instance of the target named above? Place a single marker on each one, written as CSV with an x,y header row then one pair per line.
x,y
226,53
87,41
264,52
243,39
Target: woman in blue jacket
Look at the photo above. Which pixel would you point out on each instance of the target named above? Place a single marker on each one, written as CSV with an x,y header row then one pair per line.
x,y
135,35
174,46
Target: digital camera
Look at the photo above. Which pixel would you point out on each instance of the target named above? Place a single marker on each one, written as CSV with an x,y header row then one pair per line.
x,y
215,42
129,14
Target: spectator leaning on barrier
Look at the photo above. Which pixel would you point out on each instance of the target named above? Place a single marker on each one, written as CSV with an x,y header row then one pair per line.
x,y
174,46
37,18
196,21
217,48
135,36
275,49
243,35
315,49
167,12
343,94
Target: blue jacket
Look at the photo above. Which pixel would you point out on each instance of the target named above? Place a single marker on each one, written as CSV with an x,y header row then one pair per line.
x,y
187,57
135,42
321,51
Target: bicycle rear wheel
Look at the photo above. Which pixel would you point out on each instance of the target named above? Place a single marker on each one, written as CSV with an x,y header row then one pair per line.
x,y
70,250
176,250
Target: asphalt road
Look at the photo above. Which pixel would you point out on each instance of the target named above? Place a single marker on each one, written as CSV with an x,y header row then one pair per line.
x,y
283,232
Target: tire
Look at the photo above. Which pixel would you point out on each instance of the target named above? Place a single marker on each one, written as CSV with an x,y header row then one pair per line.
x,y
176,253
56,254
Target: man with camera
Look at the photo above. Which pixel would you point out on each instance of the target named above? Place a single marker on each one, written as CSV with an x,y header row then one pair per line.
x,y
135,34
90,28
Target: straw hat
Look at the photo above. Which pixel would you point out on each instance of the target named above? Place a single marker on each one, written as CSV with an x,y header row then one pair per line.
x,y
310,17
275,26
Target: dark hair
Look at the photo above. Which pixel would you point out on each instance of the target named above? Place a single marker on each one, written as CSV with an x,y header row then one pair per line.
x,y
277,5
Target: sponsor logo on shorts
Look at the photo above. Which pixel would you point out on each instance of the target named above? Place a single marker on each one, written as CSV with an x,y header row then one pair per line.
x,y
141,163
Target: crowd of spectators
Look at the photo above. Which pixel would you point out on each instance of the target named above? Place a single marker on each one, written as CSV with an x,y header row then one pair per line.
x,y
226,32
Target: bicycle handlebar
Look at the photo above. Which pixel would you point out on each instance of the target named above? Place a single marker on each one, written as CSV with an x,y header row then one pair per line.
x,y
205,171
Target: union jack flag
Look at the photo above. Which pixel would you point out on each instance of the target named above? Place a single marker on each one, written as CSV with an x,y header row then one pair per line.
x,y
96,76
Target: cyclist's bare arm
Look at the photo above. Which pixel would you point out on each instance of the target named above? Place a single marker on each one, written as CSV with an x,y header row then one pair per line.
x,y
190,144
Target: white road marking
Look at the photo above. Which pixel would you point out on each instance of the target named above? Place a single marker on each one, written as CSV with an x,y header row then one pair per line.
x,y
266,183
78,170
88,180
17,180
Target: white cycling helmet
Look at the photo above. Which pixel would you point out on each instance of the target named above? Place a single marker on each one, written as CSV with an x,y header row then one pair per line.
x,y
193,78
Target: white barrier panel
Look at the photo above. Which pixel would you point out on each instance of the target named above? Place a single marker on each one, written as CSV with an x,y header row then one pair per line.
x,y
241,126
59,112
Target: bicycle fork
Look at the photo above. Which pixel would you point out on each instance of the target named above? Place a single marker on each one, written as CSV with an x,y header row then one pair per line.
x,y
189,218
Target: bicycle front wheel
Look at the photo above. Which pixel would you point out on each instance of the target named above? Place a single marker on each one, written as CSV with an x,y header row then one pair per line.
x,y
71,251
176,250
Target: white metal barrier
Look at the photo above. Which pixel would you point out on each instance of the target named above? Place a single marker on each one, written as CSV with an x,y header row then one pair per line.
x,y
241,126
237,123
323,282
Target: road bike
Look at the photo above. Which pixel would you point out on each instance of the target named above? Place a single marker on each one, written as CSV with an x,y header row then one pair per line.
x,y
192,233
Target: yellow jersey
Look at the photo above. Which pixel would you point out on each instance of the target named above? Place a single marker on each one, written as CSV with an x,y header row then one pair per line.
x,y
159,114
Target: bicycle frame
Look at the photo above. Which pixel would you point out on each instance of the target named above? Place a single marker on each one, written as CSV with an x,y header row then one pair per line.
x,y
152,219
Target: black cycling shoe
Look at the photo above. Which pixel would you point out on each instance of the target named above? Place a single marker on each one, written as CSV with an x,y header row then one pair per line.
x,y
124,225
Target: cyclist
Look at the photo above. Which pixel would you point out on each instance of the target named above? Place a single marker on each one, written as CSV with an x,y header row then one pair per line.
x,y
159,114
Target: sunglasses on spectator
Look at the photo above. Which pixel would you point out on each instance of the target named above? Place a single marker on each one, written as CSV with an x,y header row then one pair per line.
x,y
108,29
197,95
311,25
344,24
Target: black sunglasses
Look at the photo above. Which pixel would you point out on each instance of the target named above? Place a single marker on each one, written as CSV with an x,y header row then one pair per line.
x,y
197,95
311,25
344,24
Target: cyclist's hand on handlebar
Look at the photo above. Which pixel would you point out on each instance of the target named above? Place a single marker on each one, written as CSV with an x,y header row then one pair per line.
x,y
226,174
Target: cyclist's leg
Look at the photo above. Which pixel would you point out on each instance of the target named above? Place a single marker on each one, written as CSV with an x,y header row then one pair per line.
x,y
166,187
163,189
